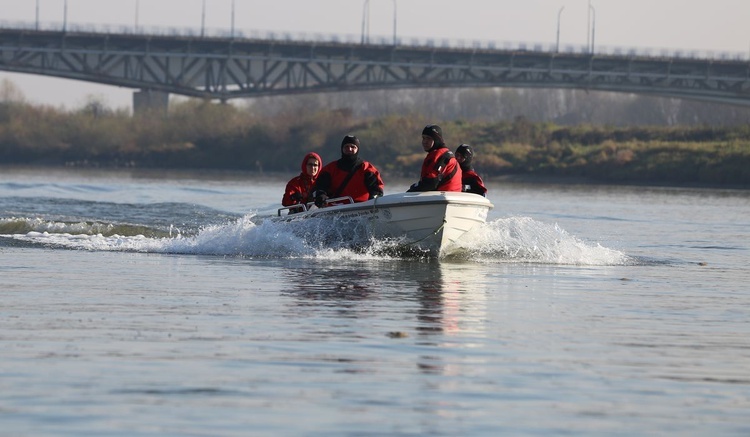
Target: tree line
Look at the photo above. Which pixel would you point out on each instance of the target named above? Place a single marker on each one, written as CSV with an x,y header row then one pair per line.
x,y
272,135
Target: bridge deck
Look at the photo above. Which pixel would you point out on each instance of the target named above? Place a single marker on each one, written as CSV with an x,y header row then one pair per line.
x,y
225,68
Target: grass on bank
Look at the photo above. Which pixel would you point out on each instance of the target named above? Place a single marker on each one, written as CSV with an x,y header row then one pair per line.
x,y
198,134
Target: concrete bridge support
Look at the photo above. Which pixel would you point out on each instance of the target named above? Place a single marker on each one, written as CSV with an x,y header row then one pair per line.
x,y
150,101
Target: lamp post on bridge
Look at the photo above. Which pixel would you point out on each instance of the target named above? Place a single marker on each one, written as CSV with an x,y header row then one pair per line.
x,y
203,20
559,13
137,8
366,21
37,14
588,27
593,28
232,19
394,22
65,16
366,15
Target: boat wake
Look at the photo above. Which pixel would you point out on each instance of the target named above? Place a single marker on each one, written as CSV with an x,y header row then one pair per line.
x,y
523,239
505,240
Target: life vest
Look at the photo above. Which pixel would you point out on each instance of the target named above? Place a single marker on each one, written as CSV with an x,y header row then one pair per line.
x,y
440,171
362,183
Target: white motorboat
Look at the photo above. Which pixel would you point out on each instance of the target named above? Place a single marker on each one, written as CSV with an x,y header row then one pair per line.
x,y
426,223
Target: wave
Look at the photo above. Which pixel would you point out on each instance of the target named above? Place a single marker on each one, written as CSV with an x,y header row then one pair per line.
x,y
81,217
507,240
523,239
36,226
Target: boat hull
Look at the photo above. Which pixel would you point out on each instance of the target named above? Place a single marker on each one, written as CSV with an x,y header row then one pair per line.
x,y
427,223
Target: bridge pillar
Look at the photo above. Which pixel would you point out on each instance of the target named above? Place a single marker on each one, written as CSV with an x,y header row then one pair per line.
x,y
148,101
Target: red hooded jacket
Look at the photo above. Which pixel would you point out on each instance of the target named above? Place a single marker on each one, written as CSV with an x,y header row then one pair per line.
x,y
299,188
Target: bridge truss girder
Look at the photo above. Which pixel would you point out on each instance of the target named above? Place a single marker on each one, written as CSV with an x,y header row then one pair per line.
x,y
227,68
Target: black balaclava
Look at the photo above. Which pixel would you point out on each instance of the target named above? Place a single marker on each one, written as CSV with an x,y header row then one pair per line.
x,y
347,162
465,150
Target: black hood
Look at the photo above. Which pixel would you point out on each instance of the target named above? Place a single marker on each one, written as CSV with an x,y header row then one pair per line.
x,y
465,150
348,162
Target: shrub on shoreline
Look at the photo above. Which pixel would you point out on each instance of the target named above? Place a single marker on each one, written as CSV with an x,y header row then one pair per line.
x,y
203,135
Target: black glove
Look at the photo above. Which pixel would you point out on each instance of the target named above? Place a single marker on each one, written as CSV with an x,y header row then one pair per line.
x,y
297,197
320,198
413,187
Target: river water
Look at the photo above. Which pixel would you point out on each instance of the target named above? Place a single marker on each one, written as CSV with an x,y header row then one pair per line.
x,y
146,303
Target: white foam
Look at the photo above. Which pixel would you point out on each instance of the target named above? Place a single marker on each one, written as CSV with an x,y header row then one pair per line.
x,y
523,239
41,225
512,239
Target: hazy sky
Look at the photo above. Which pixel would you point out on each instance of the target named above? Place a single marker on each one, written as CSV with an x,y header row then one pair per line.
x,y
705,25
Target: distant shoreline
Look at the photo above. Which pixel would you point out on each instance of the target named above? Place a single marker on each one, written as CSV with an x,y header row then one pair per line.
x,y
202,135
574,180
282,177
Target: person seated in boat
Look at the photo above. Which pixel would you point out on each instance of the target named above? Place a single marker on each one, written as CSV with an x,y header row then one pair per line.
x,y
440,170
470,180
299,189
349,176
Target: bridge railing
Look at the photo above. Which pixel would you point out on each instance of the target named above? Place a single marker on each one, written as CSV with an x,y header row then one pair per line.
x,y
373,40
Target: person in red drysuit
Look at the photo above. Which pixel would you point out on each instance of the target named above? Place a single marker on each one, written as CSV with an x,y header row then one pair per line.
x,y
470,180
440,170
349,176
299,188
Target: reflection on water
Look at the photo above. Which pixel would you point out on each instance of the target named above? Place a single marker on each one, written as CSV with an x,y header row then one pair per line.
x,y
424,303
435,288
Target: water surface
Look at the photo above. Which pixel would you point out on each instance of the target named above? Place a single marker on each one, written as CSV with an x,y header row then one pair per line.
x,y
136,303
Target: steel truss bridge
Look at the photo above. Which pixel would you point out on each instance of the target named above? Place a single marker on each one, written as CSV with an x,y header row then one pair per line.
x,y
226,68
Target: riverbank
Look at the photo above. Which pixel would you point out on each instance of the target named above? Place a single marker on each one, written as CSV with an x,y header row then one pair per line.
x,y
205,136
393,182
